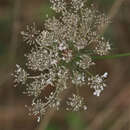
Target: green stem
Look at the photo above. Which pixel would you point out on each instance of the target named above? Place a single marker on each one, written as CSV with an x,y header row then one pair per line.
x,y
89,73
111,56
77,90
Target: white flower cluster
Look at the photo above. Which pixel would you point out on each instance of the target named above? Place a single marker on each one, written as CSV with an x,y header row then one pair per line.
x,y
20,75
61,54
97,83
76,103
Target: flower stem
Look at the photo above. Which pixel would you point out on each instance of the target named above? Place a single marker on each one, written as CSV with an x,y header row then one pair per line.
x,y
111,56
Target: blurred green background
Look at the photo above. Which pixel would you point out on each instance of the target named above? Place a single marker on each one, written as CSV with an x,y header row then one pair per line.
x,y
111,111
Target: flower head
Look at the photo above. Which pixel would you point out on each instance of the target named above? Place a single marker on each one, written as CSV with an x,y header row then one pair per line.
x,y
20,75
31,34
61,55
76,103
97,83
